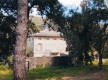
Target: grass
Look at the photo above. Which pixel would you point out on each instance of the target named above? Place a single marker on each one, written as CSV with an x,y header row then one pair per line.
x,y
59,72
5,73
55,72
52,72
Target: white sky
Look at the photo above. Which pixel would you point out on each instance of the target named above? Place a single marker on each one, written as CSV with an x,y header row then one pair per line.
x,y
66,3
75,3
106,2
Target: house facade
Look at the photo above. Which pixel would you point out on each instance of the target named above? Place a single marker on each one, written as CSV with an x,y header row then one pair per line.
x,y
46,43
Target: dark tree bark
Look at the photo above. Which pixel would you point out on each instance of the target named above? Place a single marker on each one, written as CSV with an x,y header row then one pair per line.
x,y
20,47
100,61
100,52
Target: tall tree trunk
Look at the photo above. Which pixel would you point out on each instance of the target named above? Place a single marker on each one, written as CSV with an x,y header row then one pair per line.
x,y
100,60
20,47
86,55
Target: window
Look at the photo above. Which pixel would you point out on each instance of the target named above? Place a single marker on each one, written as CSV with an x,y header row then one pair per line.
x,y
39,38
47,38
61,39
39,47
55,39
28,39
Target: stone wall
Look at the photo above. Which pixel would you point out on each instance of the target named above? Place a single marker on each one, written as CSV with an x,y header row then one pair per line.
x,y
42,62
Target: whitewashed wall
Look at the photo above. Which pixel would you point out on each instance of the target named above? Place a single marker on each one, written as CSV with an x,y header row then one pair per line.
x,y
30,44
49,45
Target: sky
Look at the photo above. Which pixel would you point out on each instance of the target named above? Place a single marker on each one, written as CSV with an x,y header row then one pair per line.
x,y
73,3
70,4
67,3
106,2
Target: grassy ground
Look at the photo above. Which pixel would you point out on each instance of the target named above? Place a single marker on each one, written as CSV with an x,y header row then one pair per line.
x,y
63,71
56,72
59,72
5,73
67,71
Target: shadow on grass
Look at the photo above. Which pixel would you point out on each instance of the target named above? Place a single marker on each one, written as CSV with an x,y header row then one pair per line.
x,y
62,71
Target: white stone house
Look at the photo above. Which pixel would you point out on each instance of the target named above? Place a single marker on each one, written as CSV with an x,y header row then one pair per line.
x,y
47,43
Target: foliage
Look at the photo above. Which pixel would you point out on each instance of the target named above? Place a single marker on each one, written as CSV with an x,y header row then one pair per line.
x,y
105,53
99,23
8,15
7,38
28,52
83,31
32,28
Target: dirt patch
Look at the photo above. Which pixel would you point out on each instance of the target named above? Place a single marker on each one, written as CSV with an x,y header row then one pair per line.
x,y
91,76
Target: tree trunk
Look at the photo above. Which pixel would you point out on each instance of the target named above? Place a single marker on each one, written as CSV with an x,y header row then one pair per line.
x,y
86,56
20,47
100,61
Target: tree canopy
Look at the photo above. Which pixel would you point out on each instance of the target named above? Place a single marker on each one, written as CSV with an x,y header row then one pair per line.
x,y
8,16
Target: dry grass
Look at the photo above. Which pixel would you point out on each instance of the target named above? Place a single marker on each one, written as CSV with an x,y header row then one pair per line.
x,y
5,73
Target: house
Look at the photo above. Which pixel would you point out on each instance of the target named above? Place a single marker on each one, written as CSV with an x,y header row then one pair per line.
x,y
47,43
46,48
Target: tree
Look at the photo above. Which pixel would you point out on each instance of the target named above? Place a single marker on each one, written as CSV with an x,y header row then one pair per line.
x,y
8,15
8,8
20,47
99,23
84,28
7,26
99,40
